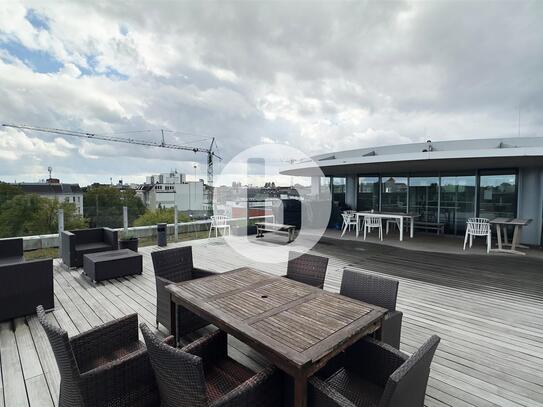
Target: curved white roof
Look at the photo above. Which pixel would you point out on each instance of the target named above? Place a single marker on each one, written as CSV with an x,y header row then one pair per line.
x,y
432,156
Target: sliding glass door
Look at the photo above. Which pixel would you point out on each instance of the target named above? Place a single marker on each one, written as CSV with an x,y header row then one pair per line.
x,y
393,194
368,193
457,202
338,191
424,198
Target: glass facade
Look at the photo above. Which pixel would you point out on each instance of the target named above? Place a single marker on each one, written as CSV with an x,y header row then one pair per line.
x,y
368,193
457,202
424,198
497,195
449,198
394,194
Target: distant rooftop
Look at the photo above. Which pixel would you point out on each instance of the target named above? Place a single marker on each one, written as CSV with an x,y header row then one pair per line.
x,y
48,188
428,156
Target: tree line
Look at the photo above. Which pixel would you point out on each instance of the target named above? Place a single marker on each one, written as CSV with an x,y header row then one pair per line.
x,y
24,214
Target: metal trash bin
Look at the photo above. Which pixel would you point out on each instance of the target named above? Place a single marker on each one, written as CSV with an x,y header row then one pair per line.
x,y
161,238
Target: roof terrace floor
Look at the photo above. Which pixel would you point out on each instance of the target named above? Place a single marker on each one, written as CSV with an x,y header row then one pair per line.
x,y
488,311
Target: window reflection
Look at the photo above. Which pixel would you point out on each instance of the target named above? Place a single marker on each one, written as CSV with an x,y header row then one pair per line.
x,y
423,198
338,191
394,194
497,195
457,202
368,193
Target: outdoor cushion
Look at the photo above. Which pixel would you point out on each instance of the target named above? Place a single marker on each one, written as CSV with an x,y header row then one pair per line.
x,y
361,392
12,260
89,247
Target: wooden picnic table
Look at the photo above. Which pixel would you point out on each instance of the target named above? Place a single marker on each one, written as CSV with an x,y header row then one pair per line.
x,y
518,224
296,326
399,216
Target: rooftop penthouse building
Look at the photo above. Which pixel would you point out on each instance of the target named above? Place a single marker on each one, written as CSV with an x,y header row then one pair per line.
x,y
445,181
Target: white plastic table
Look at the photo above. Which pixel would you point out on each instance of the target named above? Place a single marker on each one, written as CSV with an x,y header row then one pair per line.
x,y
390,215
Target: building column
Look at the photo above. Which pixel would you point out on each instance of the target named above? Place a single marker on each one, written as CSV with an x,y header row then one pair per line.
x,y
351,191
530,203
315,186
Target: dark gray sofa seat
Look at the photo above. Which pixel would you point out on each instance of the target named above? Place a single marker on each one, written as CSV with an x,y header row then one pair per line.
x,y
76,243
23,284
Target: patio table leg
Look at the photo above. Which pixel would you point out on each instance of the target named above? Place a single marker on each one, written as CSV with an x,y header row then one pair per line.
x,y
401,228
515,238
412,231
499,233
357,225
173,320
300,392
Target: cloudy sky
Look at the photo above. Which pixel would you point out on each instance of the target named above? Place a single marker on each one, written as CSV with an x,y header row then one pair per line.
x,y
318,76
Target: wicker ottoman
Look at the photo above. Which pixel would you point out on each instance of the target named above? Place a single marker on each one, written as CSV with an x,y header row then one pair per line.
x,y
112,264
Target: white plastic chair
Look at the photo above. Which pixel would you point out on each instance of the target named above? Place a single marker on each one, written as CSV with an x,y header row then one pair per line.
x,y
393,222
478,227
373,222
349,219
219,222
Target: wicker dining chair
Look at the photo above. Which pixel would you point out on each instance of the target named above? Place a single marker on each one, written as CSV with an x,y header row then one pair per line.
x,y
373,374
201,374
307,268
174,266
106,366
379,291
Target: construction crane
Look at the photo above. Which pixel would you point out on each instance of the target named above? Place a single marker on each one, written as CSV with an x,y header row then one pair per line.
x,y
162,144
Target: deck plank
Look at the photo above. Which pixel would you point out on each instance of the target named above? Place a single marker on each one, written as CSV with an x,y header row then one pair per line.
x,y
488,311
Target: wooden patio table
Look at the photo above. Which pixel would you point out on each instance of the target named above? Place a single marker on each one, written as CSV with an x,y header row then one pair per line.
x,y
295,326
518,224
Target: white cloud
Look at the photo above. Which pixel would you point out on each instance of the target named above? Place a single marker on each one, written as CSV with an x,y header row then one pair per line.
x,y
319,76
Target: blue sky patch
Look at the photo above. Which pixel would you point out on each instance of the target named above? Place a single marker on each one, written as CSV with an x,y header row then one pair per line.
x,y
36,20
39,61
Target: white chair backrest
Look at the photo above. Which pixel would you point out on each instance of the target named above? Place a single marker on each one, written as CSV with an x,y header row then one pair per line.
x,y
348,217
478,226
372,220
218,220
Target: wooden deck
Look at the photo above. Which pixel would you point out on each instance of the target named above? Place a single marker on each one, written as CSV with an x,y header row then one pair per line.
x,y
487,309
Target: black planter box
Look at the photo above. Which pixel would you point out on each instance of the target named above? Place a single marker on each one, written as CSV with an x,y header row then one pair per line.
x,y
131,244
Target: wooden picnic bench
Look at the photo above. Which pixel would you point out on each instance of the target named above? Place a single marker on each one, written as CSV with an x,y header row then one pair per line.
x,y
277,228
295,326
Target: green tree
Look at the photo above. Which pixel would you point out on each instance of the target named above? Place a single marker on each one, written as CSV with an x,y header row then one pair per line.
x,y
8,191
103,206
159,216
30,214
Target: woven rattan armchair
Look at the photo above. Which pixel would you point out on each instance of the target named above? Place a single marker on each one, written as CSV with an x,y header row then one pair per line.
x,y
373,374
307,268
378,291
106,366
173,266
201,374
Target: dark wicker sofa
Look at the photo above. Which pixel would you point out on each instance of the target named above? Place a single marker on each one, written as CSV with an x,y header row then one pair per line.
x,y
77,243
23,284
